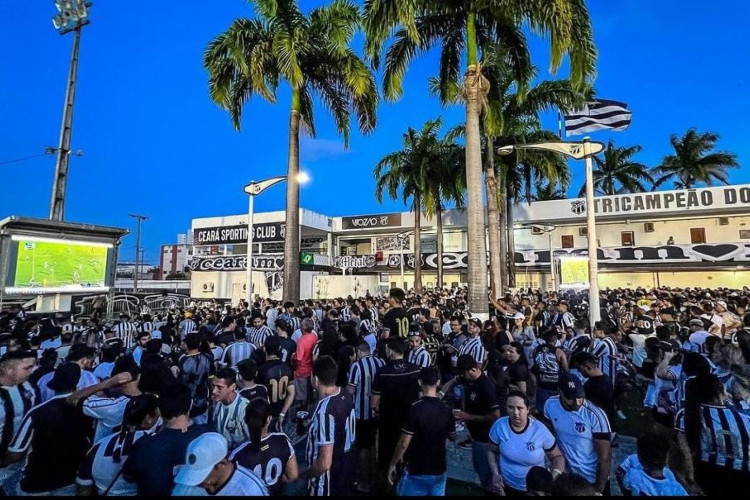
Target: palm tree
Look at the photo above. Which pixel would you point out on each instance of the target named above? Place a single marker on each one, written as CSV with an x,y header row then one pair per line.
x,y
617,173
446,181
462,29
694,162
312,55
547,192
407,170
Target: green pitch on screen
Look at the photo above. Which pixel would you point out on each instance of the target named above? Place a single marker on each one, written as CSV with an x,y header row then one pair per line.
x,y
574,271
52,264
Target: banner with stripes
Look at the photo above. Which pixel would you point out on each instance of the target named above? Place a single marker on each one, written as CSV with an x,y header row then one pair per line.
x,y
601,114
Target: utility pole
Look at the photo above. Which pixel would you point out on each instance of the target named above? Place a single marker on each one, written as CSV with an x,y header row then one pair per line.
x,y
72,17
139,218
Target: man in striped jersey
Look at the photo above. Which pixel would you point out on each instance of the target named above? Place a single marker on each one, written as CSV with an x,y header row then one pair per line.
x,y
717,436
187,325
361,375
54,434
237,351
370,302
605,350
417,353
17,397
473,344
330,438
259,332
146,325
125,330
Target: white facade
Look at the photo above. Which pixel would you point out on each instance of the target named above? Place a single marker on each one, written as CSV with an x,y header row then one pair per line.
x,y
698,237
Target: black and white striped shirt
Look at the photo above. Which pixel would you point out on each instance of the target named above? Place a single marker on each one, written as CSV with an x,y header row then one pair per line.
x,y
474,347
367,326
361,375
420,357
15,402
605,350
125,331
146,326
294,323
258,336
725,436
236,352
346,314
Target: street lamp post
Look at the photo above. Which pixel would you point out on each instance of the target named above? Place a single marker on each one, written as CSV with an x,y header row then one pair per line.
x,y
139,218
253,189
579,151
73,15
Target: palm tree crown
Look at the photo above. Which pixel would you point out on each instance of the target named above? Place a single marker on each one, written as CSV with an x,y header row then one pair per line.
x,y
617,173
694,162
312,54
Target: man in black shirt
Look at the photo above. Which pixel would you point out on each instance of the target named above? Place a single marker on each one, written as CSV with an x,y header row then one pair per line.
x,y
56,437
394,389
428,424
279,380
248,383
396,321
598,386
288,346
480,411
153,458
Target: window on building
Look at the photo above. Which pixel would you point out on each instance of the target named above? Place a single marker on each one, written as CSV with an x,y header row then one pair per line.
x,y
744,234
697,235
567,241
627,238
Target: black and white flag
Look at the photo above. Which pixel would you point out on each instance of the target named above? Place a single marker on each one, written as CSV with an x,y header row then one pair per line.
x,y
597,115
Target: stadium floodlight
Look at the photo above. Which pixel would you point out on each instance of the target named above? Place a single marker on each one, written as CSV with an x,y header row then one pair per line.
x,y
72,15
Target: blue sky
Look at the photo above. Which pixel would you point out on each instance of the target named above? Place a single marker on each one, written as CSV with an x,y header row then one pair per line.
x,y
155,144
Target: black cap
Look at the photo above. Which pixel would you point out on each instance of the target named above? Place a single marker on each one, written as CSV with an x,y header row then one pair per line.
x,y
466,362
66,378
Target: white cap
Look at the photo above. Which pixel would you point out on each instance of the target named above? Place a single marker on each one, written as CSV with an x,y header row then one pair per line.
x,y
202,454
519,316
721,303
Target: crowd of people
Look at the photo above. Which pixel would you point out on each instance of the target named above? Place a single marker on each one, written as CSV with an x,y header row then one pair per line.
x,y
363,395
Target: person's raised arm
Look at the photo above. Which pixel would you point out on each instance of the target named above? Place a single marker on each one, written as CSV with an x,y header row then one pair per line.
x,y
119,379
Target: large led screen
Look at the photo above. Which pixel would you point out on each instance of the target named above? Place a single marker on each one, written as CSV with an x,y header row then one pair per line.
x,y
58,265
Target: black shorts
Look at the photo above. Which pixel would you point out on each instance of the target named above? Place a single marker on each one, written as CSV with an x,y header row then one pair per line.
x,y
364,435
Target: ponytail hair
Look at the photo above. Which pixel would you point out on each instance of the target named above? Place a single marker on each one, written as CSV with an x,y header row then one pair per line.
x,y
136,410
256,416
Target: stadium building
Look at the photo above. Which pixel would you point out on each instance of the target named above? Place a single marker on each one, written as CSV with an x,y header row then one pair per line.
x,y
696,237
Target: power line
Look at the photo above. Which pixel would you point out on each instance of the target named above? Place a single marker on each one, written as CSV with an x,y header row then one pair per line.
x,y
17,160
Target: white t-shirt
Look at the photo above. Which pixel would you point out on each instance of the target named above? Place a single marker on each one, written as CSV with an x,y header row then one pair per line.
x,y
639,347
697,340
243,483
108,413
638,483
520,451
87,380
576,432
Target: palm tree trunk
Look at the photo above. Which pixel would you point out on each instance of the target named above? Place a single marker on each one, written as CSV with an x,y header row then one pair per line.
x,y
439,216
475,87
493,227
511,243
503,239
418,244
291,238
